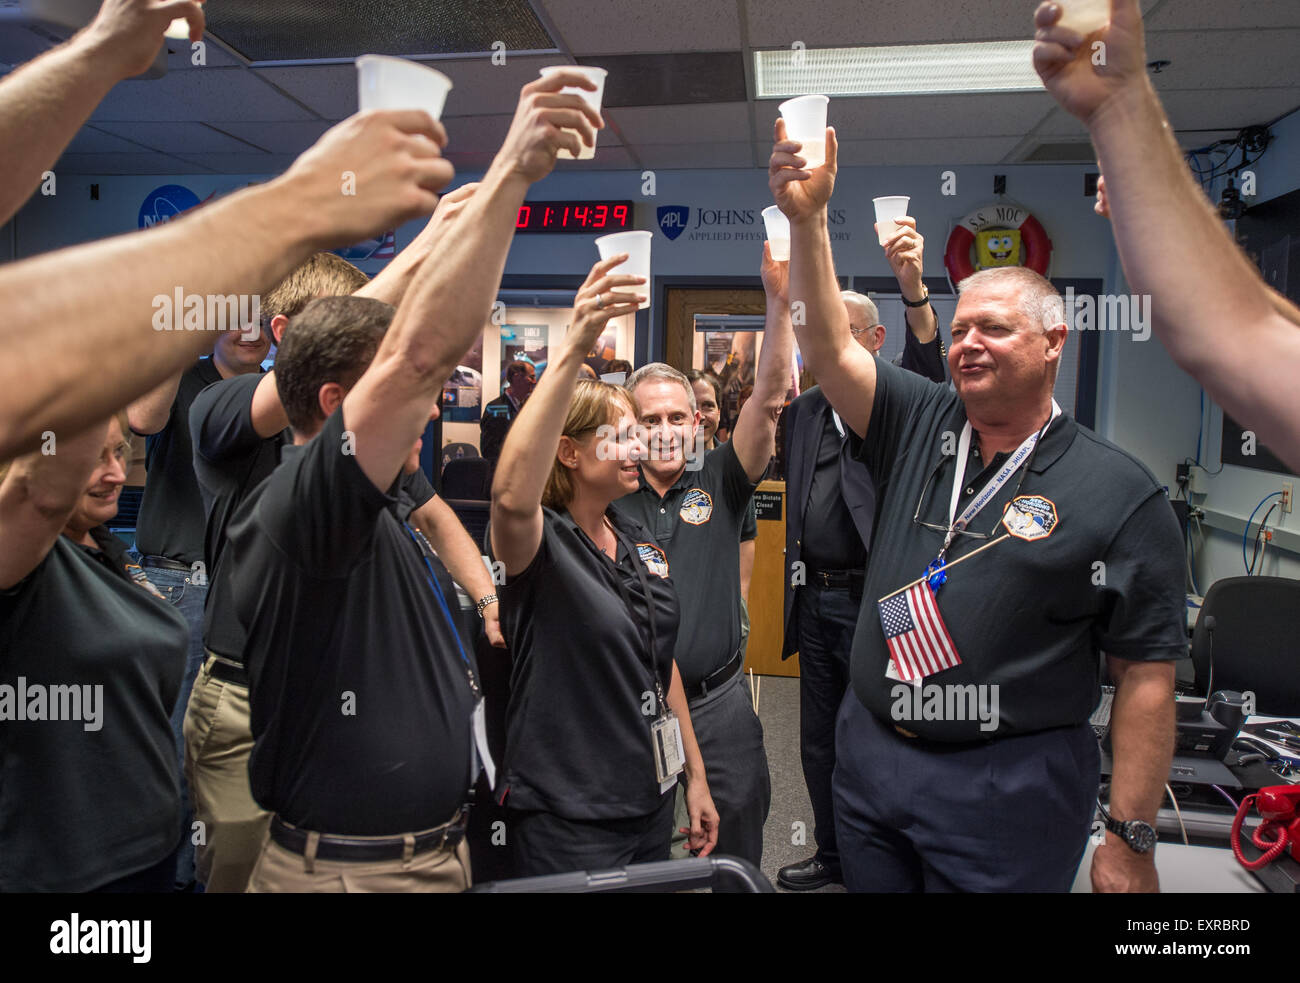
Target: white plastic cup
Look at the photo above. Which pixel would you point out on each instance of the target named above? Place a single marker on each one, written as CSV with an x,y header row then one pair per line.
x,y
805,121
637,247
597,76
888,209
778,233
384,82
1084,16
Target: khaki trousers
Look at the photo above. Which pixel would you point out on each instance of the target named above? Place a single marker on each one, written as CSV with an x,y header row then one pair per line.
x,y
279,870
218,741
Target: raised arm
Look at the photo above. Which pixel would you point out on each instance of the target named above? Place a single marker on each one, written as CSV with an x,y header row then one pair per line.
x,y
37,495
534,437
448,302
148,414
46,101
844,370
391,283
80,332
442,527
1171,242
755,435
905,251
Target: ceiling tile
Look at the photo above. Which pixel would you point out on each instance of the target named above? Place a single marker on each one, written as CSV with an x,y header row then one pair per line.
x,y
192,138
137,163
684,124
976,115
199,95
1217,15
247,163
478,86
277,138
940,151
597,28
1226,59
1229,109
90,140
672,156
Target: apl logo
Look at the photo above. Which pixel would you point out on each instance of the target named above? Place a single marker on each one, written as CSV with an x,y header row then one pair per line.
x,y
673,219
165,203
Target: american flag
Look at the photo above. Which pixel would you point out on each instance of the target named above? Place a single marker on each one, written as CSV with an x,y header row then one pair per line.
x,y
918,640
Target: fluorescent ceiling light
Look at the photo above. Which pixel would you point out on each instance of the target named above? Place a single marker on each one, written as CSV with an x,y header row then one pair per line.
x,y
896,70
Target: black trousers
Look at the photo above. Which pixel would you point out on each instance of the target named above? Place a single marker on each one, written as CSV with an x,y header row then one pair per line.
x,y
544,843
1010,815
827,619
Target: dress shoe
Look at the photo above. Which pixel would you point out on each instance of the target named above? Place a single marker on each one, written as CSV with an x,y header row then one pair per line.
x,y
807,875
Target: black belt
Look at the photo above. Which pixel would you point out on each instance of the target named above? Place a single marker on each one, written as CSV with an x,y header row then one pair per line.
x,y
363,848
164,563
227,672
715,679
837,579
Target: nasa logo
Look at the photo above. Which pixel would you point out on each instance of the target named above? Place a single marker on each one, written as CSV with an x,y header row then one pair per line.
x,y
673,219
1030,517
164,203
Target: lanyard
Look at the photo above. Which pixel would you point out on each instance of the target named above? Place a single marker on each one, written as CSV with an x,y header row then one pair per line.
x,y
442,602
635,558
1013,464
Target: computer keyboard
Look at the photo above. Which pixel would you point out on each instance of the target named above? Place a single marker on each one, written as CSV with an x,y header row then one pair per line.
x,y
1100,718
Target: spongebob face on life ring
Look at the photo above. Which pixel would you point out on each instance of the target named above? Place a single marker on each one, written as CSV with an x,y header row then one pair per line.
x,y
997,247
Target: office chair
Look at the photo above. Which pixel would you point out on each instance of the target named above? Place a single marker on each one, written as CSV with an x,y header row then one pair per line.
x,y
466,478
453,451
1246,639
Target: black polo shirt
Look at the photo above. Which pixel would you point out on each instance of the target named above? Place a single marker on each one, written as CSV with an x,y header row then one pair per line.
x,y
698,525
1102,570
230,460
358,680
171,513
577,735
81,807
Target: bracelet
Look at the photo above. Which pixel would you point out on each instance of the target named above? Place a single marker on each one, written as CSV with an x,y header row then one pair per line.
x,y
483,602
918,303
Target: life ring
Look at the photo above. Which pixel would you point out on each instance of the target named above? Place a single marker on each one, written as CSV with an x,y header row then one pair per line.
x,y
1034,244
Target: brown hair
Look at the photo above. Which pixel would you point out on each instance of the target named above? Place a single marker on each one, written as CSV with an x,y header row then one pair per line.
x,y
593,405
324,275
334,339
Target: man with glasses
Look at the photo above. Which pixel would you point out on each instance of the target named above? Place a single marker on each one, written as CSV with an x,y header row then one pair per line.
x,y
1011,548
827,538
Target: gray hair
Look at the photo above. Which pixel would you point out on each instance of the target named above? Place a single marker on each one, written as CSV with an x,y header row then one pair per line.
x,y
865,302
661,372
1039,300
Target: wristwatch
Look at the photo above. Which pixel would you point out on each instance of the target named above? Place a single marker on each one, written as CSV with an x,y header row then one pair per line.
x,y
925,298
484,601
1139,836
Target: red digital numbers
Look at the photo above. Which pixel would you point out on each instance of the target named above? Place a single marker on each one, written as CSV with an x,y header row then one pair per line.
x,y
602,213
525,212
580,213
620,216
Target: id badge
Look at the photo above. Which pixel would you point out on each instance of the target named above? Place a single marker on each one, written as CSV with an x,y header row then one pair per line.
x,y
478,728
666,736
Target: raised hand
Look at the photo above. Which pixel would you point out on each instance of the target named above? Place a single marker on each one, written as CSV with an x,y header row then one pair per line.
x,y
597,302
799,193
1084,73
544,122
128,33
905,250
369,173
776,276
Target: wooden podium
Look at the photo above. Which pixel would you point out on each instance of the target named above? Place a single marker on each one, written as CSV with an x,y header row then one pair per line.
x,y
767,587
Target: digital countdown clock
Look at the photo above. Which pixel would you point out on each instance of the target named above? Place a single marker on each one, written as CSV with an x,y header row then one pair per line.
x,y
574,217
